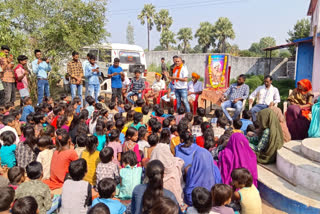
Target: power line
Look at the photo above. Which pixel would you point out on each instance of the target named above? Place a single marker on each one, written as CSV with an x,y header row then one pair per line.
x,y
202,4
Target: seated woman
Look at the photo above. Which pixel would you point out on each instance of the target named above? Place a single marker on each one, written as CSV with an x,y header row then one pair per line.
x,y
172,169
194,88
156,87
314,130
237,154
271,138
283,124
145,196
297,115
202,173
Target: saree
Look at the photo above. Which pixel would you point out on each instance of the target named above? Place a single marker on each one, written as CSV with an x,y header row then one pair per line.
x,y
172,169
237,154
314,129
283,124
202,173
268,119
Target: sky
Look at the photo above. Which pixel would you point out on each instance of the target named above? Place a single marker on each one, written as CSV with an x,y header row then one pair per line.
x,y
251,19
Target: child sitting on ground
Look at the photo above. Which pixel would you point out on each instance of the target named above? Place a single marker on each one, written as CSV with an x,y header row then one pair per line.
x,y
180,115
115,144
100,134
76,194
130,175
146,115
139,104
202,113
247,192
107,168
251,131
119,125
102,101
16,176
129,120
246,120
130,143
127,108
81,140
46,148
222,143
220,127
58,111
165,136
201,200
137,121
143,139
196,128
218,113
7,150
91,102
6,199
35,187
91,155
39,120
153,140
237,124
112,110
221,195
120,107
27,109
175,138
166,124
107,190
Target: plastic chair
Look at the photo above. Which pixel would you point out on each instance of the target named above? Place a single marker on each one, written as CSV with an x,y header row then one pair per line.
x,y
232,110
285,104
107,83
257,98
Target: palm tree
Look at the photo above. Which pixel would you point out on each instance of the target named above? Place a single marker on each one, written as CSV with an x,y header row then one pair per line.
x,y
163,20
222,31
205,36
185,35
167,38
147,13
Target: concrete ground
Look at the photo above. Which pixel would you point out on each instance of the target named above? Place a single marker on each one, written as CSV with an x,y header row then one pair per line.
x,y
268,209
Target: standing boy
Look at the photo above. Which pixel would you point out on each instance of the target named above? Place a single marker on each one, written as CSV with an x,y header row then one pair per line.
x,y
116,75
21,77
74,69
93,73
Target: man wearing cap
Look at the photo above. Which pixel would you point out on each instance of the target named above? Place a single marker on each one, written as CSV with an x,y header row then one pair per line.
x,y
194,88
137,86
156,87
180,79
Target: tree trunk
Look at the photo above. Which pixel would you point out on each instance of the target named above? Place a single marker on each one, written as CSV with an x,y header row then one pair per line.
x,y
148,37
185,47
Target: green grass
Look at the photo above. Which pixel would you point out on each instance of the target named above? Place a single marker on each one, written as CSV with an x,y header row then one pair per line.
x,y
253,81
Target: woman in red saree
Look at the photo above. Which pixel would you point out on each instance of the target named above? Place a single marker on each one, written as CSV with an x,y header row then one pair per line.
x,y
298,112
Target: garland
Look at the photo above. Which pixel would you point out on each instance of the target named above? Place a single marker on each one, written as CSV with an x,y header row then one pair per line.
x,y
223,72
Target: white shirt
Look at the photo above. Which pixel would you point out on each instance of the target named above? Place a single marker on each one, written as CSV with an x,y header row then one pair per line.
x,y
266,96
158,85
9,128
183,74
195,88
125,82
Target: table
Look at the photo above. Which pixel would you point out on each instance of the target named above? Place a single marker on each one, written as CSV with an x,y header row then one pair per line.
x,y
211,95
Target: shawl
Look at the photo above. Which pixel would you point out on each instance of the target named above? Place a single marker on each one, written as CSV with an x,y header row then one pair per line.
x,y
237,154
172,169
283,124
268,119
314,129
202,173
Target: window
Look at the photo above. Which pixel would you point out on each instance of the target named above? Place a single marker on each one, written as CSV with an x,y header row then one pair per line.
x,y
129,57
105,56
94,52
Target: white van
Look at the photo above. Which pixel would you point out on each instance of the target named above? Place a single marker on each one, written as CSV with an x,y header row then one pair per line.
x,y
132,57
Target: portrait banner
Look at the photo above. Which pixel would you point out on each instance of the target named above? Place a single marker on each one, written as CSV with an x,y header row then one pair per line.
x,y
217,72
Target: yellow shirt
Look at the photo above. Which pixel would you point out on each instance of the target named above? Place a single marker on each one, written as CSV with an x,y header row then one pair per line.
x,y
250,200
237,131
92,162
138,109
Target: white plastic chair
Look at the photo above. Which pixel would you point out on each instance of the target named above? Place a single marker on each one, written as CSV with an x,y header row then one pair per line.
x,y
102,87
232,110
257,98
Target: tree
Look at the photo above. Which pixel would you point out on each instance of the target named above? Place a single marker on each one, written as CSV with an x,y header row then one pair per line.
x,y
265,42
185,35
300,30
205,36
246,53
284,53
163,20
232,49
130,34
255,49
222,32
147,13
167,38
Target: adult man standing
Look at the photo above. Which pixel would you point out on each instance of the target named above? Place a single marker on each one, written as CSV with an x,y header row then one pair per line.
x,y
75,71
41,67
116,75
84,66
237,93
163,69
180,79
267,96
8,78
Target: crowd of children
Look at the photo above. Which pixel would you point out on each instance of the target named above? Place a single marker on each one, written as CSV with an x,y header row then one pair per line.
x,y
58,157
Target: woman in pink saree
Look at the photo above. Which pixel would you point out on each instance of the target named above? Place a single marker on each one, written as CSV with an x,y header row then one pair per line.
x,y
237,154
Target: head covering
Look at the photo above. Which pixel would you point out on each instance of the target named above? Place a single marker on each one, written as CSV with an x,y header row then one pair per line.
x,y
306,84
158,74
237,154
202,173
172,169
283,124
268,119
195,75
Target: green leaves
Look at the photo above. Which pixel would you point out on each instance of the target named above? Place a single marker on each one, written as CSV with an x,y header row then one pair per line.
x,y
167,38
185,35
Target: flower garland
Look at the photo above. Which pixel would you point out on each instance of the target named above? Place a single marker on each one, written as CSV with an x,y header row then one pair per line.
x,y
223,72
